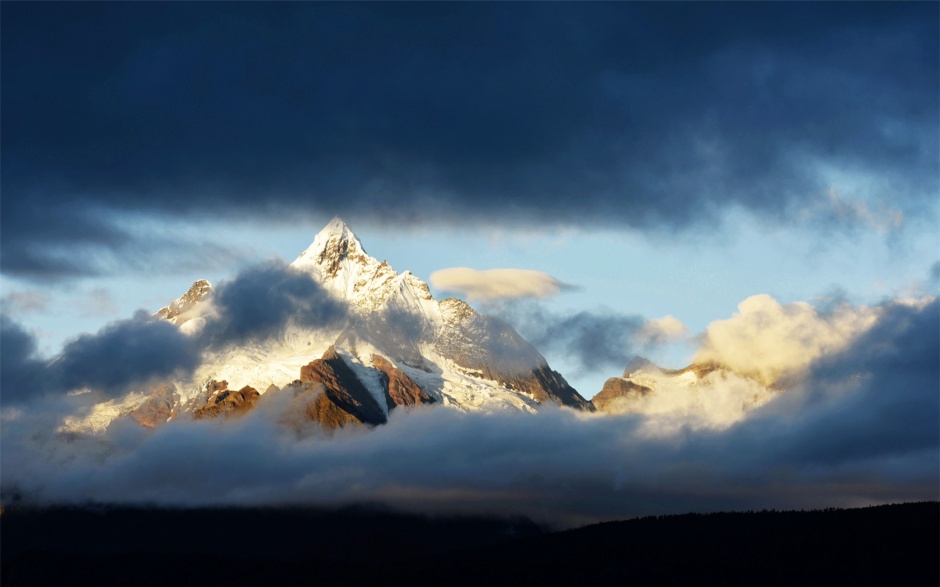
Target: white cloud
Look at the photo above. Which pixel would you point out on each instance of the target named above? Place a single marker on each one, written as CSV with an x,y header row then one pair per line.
x,y
496,283
662,330
768,340
715,402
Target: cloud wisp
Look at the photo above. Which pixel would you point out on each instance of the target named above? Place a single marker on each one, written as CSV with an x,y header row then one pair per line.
x,y
25,301
597,341
662,330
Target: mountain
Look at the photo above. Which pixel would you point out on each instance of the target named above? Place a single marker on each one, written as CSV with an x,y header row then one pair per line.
x,y
395,345
177,312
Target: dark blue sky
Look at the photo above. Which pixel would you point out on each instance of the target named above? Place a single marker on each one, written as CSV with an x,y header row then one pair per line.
x,y
646,115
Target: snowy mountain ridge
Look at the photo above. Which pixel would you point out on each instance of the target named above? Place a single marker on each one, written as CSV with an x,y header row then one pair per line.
x,y
395,330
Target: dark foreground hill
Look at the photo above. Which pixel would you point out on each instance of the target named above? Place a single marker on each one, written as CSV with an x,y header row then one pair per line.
x,y
884,545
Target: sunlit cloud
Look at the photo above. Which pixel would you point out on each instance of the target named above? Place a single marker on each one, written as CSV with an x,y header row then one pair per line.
x,y
766,340
662,330
496,283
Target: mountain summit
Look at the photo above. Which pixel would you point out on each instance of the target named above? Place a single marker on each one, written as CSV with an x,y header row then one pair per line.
x,y
395,345
334,248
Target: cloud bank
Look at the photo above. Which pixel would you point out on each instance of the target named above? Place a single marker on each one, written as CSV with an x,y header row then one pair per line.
x,y
656,117
494,284
861,428
123,353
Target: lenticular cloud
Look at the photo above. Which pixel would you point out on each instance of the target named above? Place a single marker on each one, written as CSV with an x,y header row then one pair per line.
x,y
496,283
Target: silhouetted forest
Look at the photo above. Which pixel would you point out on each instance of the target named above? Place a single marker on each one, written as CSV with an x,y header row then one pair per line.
x,y
883,545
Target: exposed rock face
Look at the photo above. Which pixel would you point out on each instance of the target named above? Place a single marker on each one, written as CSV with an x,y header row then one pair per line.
x,y
309,405
489,348
227,402
328,393
325,410
158,408
546,385
342,391
400,390
214,386
617,389
176,310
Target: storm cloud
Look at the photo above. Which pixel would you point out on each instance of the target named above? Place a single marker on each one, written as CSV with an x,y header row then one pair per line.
x,y
895,408
649,116
21,375
124,352
262,299
110,361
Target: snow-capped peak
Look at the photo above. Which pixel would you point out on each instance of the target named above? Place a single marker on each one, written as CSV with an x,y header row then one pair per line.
x,y
331,246
337,260
447,351
178,312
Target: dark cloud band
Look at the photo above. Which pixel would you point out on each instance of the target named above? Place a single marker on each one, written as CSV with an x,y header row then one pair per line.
x,y
121,354
650,116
